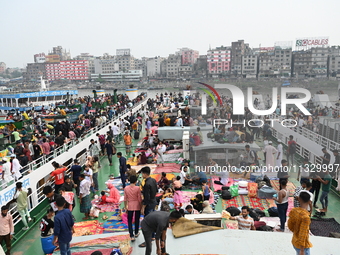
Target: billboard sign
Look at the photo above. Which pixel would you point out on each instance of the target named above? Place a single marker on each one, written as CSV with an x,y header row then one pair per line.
x,y
123,52
309,42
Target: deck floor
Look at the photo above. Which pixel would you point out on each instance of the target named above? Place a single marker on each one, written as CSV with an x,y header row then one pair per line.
x,y
220,242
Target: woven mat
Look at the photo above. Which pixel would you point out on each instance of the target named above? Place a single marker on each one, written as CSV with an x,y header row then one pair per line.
x,y
168,168
85,228
242,200
322,227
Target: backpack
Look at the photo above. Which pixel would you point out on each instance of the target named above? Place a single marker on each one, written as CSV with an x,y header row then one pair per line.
x,y
225,194
273,212
265,228
234,211
259,212
254,215
292,148
210,135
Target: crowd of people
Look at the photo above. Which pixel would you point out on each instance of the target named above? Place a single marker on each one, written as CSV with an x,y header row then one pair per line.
x,y
141,197
41,138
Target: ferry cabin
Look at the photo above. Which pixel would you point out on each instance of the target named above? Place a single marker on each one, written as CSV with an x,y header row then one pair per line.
x,y
26,101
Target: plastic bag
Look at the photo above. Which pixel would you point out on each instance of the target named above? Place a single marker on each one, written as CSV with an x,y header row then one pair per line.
x,y
234,190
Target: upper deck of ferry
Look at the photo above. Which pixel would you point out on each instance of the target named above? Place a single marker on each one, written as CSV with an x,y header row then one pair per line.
x,y
220,240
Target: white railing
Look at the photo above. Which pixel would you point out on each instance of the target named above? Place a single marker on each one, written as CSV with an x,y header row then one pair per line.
x,y
315,137
37,196
34,165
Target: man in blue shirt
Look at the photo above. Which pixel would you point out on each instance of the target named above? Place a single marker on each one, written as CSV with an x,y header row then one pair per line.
x,y
122,168
63,227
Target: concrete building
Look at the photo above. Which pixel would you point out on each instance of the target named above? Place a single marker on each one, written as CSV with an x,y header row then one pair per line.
x,y
302,63
189,56
249,65
130,76
141,64
125,60
63,54
39,58
74,70
334,62
275,63
201,67
2,67
172,65
319,62
238,49
102,66
153,67
34,71
185,71
164,65
219,60
53,71
90,60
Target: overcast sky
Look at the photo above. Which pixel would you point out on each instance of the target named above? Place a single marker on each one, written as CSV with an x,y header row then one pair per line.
x,y
156,28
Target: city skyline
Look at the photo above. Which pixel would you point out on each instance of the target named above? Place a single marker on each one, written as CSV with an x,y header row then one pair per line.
x,y
155,28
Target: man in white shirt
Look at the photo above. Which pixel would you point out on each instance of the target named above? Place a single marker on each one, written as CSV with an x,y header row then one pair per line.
x,y
115,130
179,122
84,196
6,171
184,176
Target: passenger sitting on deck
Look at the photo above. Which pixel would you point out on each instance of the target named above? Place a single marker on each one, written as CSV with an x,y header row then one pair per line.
x,y
163,181
114,195
103,198
207,208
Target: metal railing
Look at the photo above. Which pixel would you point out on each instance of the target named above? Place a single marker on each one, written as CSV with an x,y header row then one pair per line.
x,y
35,164
311,135
37,197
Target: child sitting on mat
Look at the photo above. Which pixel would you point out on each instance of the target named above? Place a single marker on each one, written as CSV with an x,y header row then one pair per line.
x,y
102,198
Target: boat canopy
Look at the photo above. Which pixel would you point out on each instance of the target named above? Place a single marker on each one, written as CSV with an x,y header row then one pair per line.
x,y
40,94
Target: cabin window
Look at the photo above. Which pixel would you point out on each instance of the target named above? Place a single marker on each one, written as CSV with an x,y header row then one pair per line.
x,y
42,99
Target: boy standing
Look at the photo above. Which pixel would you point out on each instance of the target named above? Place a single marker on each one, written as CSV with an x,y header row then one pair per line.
x,y
63,227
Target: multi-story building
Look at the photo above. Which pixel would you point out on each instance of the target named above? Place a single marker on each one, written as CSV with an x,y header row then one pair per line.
x,y
39,58
319,62
201,66
238,49
302,63
141,64
102,66
2,67
90,60
334,62
130,76
125,60
249,65
34,71
275,62
163,66
219,60
53,71
63,54
189,56
75,70
185,71
172,65
153,66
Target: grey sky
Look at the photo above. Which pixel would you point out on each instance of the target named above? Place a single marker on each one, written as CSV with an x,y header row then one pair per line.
x,y
156,28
